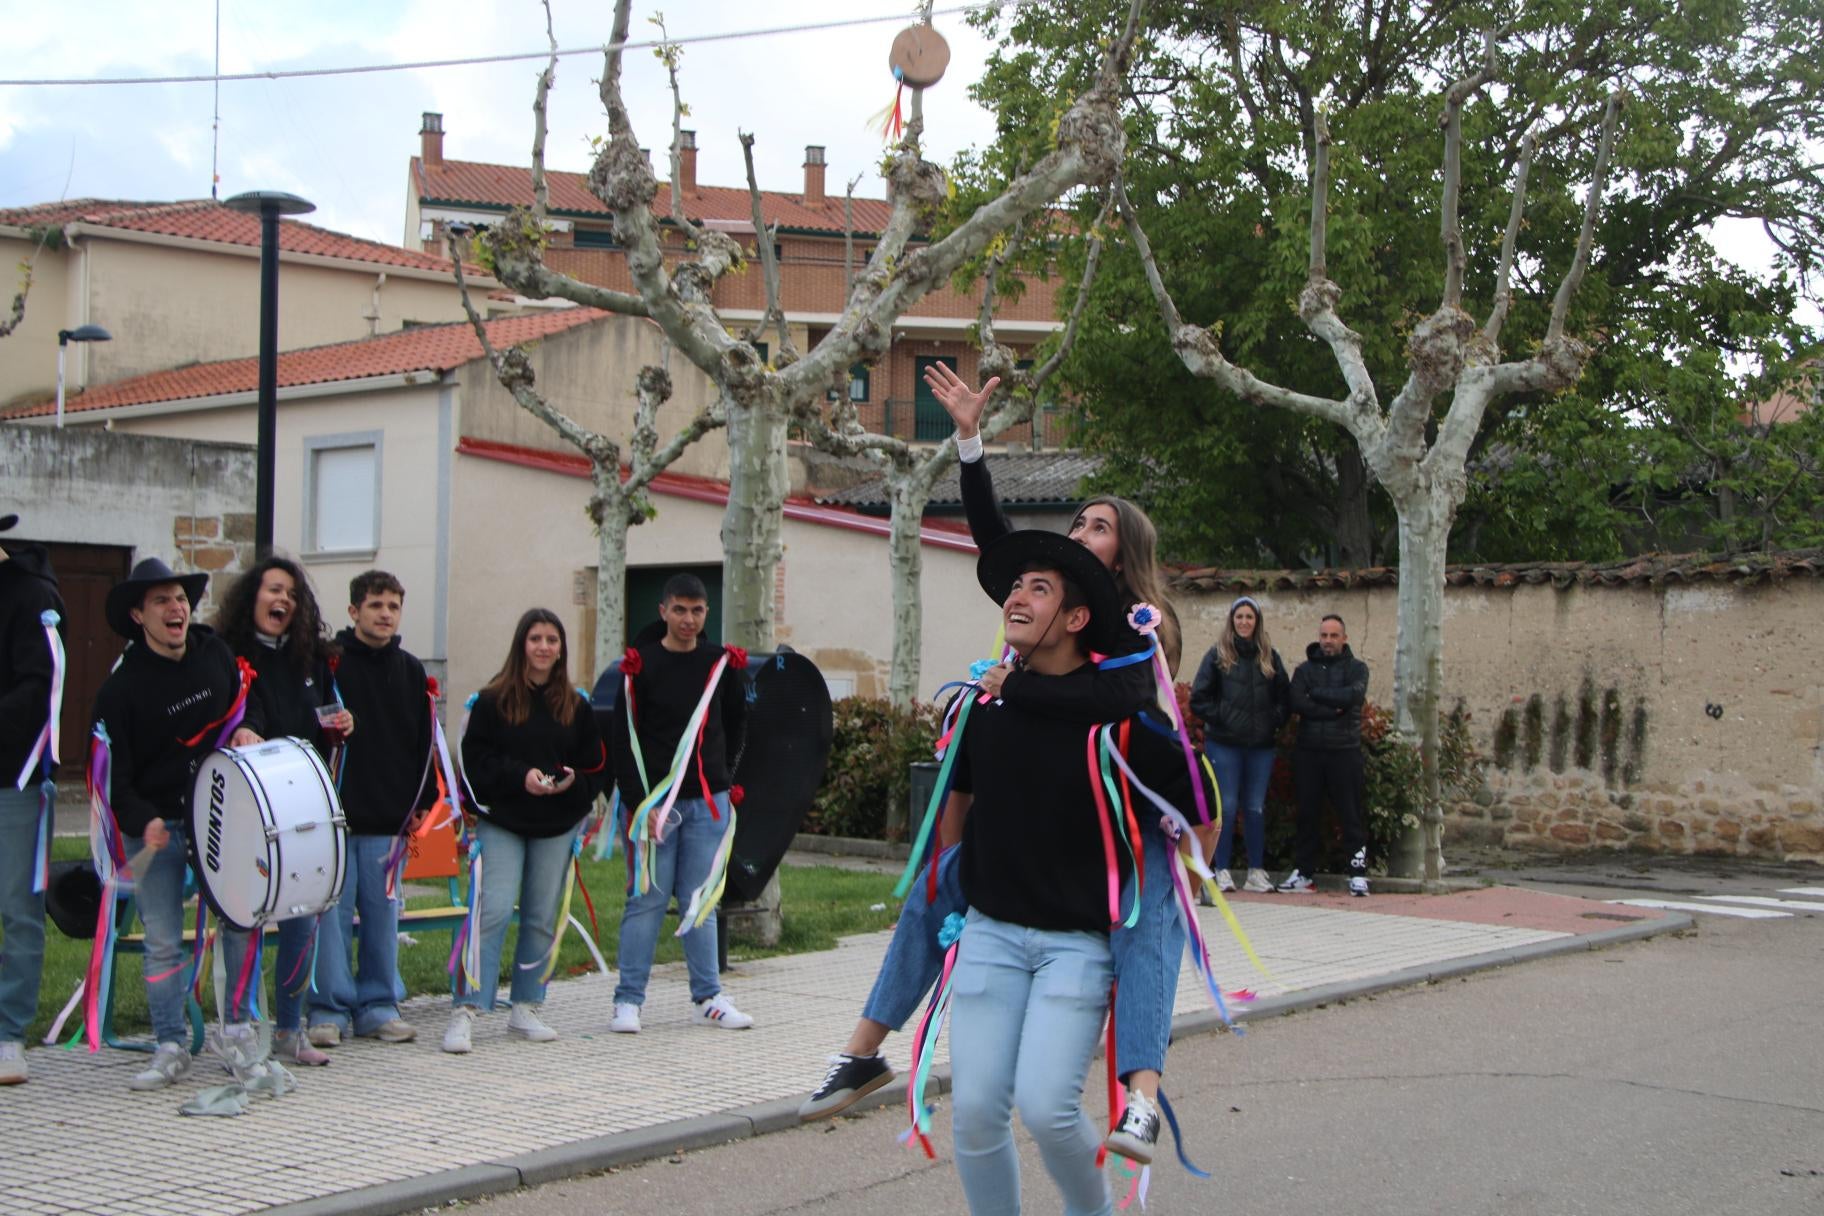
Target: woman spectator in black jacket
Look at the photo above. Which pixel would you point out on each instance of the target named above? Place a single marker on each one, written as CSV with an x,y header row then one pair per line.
x,y
1243,696
534,760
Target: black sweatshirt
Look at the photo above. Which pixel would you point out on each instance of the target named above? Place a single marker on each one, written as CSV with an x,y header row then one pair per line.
x,y
666,690
1328,692
27,590
497,755
1114,694
1033,851
151,706
385,768
286,695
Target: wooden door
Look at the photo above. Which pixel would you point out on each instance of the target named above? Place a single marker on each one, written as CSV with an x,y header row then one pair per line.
x,y
84,575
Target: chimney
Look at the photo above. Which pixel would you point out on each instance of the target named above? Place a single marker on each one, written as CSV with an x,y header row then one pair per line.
x,y
813,175
687,161
430,139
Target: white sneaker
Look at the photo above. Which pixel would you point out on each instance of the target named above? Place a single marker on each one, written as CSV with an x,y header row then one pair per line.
x,y
626,1019
1297,884
1257,881
1224,881
718,1010
12,1062
1358,886
525,1022
171,1062
457,1034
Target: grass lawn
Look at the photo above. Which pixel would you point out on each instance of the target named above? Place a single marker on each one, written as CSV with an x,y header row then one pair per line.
x,y
822,903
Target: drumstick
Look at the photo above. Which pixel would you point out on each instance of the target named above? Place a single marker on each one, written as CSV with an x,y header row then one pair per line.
x,y
137,864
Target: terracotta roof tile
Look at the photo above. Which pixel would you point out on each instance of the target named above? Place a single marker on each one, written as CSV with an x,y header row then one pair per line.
x,y
424,348
207,220
1022,479
1650,570
456,182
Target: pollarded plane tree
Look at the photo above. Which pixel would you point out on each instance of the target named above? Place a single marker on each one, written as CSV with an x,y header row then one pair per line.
x,y
1414,450
760,401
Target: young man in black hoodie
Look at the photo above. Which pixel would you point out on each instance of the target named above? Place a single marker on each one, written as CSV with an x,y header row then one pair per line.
x,y
385,780
159,713
28,592
1328,691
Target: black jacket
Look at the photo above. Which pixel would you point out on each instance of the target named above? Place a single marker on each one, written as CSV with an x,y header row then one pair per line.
x,y
665,692
497,755
286,695
162,718
27,590
1327,695
1241,707
385,767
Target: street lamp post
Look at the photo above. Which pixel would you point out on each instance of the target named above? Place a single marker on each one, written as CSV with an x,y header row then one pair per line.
x,y
269,205
82,333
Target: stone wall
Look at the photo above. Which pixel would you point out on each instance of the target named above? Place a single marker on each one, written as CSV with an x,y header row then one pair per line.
x,y
1675,708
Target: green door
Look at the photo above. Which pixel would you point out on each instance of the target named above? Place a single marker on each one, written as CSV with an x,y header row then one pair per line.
x,y
929,421
646,585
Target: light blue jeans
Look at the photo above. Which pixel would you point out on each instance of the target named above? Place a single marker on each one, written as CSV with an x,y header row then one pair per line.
x,y
680,865
914,959
523,870
159,896
1026,1008
21,912
1242,774
290,976
360,995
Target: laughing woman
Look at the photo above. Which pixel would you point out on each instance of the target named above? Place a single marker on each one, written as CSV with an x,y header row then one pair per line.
x,y
269,617
534,759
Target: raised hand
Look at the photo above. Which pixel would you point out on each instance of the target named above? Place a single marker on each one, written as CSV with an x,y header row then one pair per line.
x,y
953,393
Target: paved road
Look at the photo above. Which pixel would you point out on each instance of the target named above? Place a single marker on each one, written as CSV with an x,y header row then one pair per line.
x,y
1678,1075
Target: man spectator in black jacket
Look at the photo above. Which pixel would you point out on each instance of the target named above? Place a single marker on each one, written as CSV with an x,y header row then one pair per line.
x,y
385,780
28,592
1328,691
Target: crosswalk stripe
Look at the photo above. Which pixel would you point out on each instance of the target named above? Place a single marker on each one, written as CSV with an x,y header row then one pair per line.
x,y
1713,909
1764,901
1802,890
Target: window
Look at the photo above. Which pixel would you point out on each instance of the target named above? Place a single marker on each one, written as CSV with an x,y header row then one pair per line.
x,y
596,238
858,383
930,421
342,493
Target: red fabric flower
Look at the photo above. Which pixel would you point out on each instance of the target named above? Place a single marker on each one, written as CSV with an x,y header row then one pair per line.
x,y
736,795
737,657
430,685
630,662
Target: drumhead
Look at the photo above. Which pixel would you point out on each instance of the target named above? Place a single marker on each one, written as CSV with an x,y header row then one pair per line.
x,y
229,818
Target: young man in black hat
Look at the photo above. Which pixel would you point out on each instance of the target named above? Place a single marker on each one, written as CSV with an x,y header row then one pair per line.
x,y
29,604
1030,988
386,779
159,713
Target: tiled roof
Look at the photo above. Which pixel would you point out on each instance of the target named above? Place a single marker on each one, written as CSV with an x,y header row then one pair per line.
x,y
1024,479
207,220
1650,570
424,348
456,182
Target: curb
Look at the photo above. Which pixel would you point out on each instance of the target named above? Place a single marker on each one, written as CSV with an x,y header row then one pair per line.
x,y
647,1143
850,846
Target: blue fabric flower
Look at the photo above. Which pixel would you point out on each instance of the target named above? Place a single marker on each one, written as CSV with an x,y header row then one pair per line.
x,y
49,618
953,929
980,668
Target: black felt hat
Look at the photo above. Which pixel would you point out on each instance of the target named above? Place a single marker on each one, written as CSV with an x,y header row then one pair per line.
x,y
1005,559
7,522
126,596
73,898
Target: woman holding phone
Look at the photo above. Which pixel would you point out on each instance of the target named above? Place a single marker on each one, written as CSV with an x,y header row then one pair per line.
x,y
534,761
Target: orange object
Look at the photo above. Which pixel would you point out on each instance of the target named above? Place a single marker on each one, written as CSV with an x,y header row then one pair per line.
x,y
432,853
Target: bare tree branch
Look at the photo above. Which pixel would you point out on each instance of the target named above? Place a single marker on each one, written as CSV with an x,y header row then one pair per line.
x,y
1497,316
16,317
671,53
1452,121
769,259
1317,302
848,238
541,196
1573,277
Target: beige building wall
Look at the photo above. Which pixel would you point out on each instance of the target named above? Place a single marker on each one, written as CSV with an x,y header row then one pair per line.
x,y
1683,717
28,358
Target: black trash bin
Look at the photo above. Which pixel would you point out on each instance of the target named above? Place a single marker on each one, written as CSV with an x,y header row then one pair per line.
x,y
924,781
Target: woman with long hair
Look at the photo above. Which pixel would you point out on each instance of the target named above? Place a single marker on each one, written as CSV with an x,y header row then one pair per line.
x,y
269,617
1243,696
534,761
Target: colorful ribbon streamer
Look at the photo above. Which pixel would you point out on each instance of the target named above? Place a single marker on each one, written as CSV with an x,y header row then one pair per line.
x,y
44,754
646,827
924,1043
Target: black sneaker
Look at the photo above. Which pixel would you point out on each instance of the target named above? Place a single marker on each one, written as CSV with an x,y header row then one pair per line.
x,y
1138,1133
850,1079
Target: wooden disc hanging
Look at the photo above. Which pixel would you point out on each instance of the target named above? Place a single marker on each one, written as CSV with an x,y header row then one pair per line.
x,y
919,56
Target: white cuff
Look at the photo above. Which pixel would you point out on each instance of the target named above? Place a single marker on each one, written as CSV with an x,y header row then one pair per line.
x,y
969,450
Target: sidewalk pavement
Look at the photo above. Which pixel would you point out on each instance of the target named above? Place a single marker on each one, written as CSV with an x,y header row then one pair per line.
x,y
388,1129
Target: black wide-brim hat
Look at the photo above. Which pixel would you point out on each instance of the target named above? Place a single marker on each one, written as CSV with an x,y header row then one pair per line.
x,y
128,595
8,522
73,898
1005,559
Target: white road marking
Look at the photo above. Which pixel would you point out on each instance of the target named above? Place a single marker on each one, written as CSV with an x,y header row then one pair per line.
x,y
1763,901
1712,909
1802,890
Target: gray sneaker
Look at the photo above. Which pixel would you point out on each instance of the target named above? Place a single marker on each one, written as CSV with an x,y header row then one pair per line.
x,y
171,1062
1257,882
395,1030
12,1063
325,1034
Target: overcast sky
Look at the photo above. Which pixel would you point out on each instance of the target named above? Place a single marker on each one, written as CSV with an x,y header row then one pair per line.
x,y
343,142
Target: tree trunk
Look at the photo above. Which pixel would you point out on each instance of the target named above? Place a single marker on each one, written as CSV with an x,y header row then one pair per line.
x,y
1354,525
610,581
751,527
1418,667
906,559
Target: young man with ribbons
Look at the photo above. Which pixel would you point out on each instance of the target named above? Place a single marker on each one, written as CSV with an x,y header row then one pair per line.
x,y
1049,845
534,761
385,780
31,698
177,694
683,705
